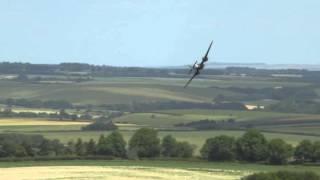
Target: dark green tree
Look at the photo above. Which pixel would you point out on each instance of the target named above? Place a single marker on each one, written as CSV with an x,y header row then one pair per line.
x,y
316,151
220,148
51,148
70,149
169,146
303,151
145,142
184,149
252,146
279,151
80,147
113,145
91,147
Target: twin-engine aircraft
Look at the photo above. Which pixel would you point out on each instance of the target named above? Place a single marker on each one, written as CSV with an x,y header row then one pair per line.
x,y
197,67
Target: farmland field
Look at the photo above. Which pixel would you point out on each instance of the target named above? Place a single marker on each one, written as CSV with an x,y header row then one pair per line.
x,y
155,169
127,90
291,127
37,122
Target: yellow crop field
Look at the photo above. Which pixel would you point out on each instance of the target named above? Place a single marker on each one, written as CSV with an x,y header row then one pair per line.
x,y
33,122
115,172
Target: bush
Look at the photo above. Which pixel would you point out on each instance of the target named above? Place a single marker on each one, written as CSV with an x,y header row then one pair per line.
x,y
100,126
283,175
145,142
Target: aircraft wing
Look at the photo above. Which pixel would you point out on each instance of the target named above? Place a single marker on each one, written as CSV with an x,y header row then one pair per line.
x,y
193,76
205,57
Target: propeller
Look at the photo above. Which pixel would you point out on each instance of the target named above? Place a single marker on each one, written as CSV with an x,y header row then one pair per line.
x,y
192,67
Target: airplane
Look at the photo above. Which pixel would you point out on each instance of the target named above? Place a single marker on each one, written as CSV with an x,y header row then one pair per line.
x,y
197,67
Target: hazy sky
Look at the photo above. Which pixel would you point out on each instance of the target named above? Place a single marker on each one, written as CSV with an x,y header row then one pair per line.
x,y
159,32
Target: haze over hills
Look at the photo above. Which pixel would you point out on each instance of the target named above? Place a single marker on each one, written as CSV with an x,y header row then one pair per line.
x,y
209,65
265,66
221,65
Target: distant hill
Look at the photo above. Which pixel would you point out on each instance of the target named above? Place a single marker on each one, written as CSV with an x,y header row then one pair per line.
x,y
311,67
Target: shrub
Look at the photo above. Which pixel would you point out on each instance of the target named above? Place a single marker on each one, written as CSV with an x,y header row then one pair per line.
x,y
283,175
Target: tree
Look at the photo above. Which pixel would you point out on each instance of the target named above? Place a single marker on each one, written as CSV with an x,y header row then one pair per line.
x,y
91,147
112,145
303,151
220,148
146,143
11,149
168,146
51,148
70,149
279,151
29,149
316,151
184,149
80,147
252,146
116,145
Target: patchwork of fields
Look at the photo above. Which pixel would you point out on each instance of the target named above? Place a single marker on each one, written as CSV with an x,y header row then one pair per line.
x,y
128,90
289,126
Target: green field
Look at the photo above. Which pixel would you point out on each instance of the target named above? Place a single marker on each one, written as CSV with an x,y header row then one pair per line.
x,y
128,90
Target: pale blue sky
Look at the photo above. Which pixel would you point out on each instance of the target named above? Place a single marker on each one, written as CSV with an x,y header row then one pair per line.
x,y
159,32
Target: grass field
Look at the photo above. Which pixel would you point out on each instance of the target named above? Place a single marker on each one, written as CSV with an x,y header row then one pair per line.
x,y
168,118
151,169
128,90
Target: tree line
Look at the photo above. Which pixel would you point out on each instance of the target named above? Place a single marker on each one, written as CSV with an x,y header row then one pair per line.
x,y
103,70
54,104
145,143
254,147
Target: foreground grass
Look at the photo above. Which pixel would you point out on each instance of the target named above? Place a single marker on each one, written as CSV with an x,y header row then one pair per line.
x,y
196,165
